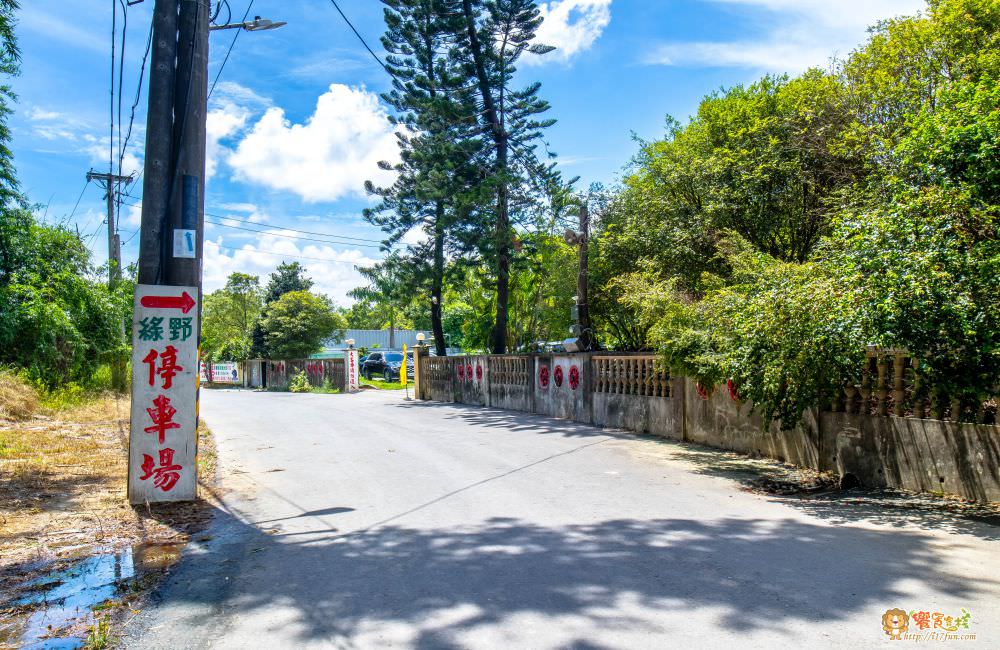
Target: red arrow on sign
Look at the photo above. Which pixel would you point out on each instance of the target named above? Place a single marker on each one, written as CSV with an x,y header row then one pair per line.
x,y
184,302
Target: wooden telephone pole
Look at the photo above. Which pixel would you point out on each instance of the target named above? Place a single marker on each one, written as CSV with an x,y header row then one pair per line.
x,y
588,339
111,183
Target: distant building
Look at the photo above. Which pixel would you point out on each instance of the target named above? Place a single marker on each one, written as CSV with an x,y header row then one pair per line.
x,y
374,340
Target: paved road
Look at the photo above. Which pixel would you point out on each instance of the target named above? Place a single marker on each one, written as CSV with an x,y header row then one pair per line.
x,y
368,522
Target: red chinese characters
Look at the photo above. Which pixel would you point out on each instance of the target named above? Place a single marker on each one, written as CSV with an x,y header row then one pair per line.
x,y
574,377
543,376
162,417
166,475
558,376
166,370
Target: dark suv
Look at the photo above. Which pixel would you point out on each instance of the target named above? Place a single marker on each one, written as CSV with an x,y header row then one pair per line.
x,y
386,365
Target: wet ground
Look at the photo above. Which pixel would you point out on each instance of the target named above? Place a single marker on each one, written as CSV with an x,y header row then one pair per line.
x,y
56,604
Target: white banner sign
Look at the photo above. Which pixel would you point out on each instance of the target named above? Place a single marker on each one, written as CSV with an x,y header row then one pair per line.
x,y
163,441
351,370
225,372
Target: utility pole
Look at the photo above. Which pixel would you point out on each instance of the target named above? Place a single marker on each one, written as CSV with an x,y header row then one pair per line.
x,y
588,339
166,328
111,184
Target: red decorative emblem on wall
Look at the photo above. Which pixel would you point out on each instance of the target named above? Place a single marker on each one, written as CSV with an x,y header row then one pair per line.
x,y
574,377
461,371
468,372
543,376
479,372
734,394
702,391
558,376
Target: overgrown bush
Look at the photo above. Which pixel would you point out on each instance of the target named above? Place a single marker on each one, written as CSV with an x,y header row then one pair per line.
x,y
299,383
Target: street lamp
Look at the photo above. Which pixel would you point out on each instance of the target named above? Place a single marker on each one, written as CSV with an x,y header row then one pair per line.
x,y
421,338
350,343
258,24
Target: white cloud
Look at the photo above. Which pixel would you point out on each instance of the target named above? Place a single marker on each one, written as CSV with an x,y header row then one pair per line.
x,y
328,157
133,215
571,26
333,270
804,33
222,123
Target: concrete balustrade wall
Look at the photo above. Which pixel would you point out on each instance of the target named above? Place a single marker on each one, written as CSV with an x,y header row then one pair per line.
x,y
630,393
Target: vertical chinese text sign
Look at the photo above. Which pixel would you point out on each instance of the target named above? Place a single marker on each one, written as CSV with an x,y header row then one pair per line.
x,y
163,441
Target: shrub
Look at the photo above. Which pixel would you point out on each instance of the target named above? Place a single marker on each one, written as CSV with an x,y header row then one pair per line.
x,y
299,383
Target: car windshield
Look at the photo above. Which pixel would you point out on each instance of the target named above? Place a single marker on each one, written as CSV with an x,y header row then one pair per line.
x,y
394,358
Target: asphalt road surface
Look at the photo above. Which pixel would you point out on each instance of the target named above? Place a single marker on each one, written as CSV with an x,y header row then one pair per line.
x,y
367,521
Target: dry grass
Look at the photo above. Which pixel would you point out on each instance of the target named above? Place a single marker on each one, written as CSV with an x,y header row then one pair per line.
x,y
63,486
18,400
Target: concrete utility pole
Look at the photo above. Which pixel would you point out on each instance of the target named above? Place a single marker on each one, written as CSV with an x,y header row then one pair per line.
x,y
174,187
111,184
159,164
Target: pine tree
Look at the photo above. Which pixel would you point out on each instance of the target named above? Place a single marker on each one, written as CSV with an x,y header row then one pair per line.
x,y
495,34
438,147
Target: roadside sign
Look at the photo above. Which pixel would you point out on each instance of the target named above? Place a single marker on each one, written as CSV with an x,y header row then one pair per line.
x,y
351,370
163,441
184,243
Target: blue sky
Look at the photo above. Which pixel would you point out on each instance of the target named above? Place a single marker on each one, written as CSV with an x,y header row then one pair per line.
x,y
296,127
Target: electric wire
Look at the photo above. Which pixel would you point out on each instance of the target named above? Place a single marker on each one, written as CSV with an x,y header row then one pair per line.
x,y
303,232
80,198
308,239
263,252
229,51
361,38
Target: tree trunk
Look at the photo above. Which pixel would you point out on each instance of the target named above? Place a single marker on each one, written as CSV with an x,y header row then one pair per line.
x,y
499,339
437,304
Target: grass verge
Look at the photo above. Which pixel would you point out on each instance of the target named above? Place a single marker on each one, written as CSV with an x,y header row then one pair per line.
x,y
63,476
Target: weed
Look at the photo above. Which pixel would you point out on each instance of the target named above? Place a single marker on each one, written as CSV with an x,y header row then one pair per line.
x,y
18,398
99,636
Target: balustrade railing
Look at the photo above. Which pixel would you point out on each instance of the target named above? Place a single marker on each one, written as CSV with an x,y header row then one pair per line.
x,y
509,371
630,375
892,384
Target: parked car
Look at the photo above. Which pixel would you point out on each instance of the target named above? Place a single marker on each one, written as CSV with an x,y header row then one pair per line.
x,y
386,365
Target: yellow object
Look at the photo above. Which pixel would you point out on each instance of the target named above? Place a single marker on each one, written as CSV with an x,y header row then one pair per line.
x,y
402,368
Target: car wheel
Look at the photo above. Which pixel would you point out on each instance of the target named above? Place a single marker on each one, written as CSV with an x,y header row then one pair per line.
x,y
389,375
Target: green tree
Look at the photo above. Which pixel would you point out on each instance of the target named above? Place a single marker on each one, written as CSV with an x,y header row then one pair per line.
x,y
229,316
432,101
289,276
57,320
10,66
497,33
298,322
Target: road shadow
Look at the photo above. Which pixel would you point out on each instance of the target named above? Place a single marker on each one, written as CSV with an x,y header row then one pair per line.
x,y
748,573
856,505
492,418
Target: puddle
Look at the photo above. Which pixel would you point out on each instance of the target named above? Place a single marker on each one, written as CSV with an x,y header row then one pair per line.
x,y
61,602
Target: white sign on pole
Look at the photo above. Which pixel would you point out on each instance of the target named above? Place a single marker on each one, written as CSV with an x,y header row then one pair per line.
x,y
184,243
351,370
163,441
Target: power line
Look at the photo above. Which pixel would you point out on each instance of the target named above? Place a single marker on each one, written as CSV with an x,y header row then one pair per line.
x,y
304,232
361,38
135,104
80,198
263,252
230,50
310,239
